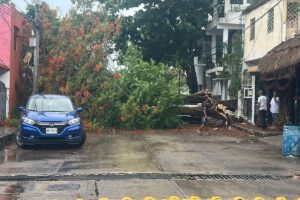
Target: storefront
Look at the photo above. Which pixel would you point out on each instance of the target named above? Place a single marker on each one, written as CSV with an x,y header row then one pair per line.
x,y
280,71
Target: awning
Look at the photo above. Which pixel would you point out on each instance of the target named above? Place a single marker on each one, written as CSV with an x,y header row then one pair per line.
x,y
4,68
253,69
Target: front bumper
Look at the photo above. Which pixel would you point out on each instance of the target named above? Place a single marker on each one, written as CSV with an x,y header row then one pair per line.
x,y
29,134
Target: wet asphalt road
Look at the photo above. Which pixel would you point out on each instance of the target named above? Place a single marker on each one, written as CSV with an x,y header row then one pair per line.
x,y
159,165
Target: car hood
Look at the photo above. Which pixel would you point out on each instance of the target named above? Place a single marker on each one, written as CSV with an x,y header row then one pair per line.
x,y
51,116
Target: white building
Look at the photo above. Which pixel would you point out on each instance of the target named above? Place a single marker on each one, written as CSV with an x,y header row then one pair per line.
x,y
268,23
226,21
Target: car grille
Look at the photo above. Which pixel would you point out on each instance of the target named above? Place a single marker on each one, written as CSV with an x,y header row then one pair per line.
x,y
59,125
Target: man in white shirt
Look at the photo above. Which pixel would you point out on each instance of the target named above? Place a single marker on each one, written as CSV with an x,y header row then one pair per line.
x,y
262,102
275,107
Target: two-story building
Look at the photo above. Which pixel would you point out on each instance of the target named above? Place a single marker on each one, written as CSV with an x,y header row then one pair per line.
x,y
270,26
226,21
11,30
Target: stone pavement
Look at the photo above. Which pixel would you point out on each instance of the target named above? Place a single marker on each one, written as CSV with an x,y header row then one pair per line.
x,y
160,165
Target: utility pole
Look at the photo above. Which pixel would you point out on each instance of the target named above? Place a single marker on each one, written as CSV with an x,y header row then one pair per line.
x,y
37,48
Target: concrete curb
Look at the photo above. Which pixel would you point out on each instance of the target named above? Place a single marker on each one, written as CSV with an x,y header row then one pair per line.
x,y
7,139
254,132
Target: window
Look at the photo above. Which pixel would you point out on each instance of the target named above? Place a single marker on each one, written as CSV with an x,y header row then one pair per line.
x,y
271,20
292,15
48,104
252,29
251,1
16,33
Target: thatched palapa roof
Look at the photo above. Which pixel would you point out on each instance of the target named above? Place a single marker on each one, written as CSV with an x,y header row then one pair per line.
x,y
282,59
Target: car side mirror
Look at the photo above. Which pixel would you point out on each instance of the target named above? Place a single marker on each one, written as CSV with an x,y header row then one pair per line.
x,y
79,109
21,109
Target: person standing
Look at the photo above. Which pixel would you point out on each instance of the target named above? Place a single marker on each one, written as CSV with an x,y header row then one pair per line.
x,y
262,102
275,107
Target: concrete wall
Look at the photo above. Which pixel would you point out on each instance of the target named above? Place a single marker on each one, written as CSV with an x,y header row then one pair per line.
x,y
264,41
5,35
16,60
11,56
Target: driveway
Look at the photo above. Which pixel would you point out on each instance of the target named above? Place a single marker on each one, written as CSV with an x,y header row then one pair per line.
x,y
156,164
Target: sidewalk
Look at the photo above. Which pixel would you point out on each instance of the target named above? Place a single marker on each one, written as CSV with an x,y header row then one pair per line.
x,y
6,136
257,131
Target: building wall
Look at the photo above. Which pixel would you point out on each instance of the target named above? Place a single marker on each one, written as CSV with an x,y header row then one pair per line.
x,y
5,35
11,51
4,78
15,59
220,29
264,41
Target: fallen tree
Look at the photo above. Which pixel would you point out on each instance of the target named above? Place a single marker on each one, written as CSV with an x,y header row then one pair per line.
x,y
204,102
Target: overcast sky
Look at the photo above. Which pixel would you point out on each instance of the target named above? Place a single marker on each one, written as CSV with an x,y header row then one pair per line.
x,y
64,6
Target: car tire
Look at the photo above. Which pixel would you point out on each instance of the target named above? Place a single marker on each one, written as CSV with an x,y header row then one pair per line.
x,y
81,143
20,143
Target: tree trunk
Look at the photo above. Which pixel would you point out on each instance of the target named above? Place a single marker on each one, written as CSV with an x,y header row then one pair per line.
x,y
192,79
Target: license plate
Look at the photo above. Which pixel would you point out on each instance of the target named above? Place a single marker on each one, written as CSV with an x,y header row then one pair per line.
x,y
51,130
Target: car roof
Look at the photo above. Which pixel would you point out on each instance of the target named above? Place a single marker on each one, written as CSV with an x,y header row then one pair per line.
x,y
53,96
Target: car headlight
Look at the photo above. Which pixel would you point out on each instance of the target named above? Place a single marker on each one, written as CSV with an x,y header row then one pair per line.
x,y
26,120
74,121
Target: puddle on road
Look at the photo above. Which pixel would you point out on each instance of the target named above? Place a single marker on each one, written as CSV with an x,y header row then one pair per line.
x,y
64,187
12,192
8,155
14,154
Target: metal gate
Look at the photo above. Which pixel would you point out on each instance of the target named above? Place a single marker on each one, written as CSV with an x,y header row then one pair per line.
x,y
3,96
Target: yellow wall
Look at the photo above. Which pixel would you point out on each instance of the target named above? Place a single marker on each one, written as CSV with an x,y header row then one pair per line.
x,y
264,41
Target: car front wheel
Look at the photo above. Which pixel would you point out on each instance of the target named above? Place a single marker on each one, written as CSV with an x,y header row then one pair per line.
x,y
20,143
83,138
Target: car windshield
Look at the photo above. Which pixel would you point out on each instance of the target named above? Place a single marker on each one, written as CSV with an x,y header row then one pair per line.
x,y
49,104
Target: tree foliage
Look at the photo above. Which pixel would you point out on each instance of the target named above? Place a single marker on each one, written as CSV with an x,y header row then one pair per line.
x,y
74,53
166,31
73,57
152,93
233,63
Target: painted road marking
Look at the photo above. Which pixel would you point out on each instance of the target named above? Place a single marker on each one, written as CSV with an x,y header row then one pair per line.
x,y
280,198
149,198
196,198
259,198
238,198
216,198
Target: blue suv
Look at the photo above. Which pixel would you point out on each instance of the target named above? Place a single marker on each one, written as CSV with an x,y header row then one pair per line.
x,y
50,119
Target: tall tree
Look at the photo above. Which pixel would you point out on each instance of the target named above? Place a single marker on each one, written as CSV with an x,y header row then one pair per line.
x,y
166,31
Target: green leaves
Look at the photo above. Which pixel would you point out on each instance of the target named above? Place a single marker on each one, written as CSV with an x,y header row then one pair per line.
x,y
153,98
233,63
163,29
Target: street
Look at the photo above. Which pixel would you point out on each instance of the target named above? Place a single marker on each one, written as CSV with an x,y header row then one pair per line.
x,y
151,164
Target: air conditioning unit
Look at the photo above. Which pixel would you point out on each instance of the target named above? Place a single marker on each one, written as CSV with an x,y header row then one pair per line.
x,y
248,92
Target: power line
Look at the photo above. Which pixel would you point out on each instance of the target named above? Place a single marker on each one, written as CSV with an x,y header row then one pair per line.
x,y
262,16
17,11
9,10
27,2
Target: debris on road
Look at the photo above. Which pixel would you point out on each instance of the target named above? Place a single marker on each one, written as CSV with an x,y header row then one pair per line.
x,y
203,104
